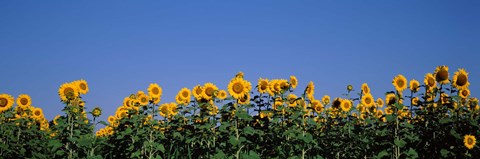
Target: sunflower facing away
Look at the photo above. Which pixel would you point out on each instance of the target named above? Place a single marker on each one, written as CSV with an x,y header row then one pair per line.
x,y
82,86
293,82
67,91
24,100
414,85
441,74
400,83
6,102
469,141
154,92
460,79
430,82
367,100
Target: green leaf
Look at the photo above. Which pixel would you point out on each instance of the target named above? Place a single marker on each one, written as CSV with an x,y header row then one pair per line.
x,y
455,134
233,141
248,130
382,154
244,116
399,143
411,153
445,120
444,153
160,147
308,138
252,154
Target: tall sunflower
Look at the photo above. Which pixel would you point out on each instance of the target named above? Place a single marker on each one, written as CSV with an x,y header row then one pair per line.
x,y
430,82
310,90
380,102
464,93
414,85
292,98
67,91
155,92
244,100
209,90
367,100
6,102
400,83
415,101
24,100
82,86
185,95
346,105
460,79
441,74
221,94
37,114
390,99
262,85
293,82
326,99
197,92
143,99
238,88
365,88
469,141
317,106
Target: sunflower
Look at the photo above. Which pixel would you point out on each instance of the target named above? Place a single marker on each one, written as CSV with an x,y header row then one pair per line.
x,y
82,86
239,75
293,82
173,109
390,98
349,88
469,141
361,108
244,100
310,90
111,119
336,103
197,92
414,85
317,106
400,83
460,79
155,92
430,82
128,102
37,114
346,105
262,85
273,87
209,90
326,99
365,88
24,100
6,102
213,110
179,99
380,102
388,110
283,85
441,74
415,101
464,93
238,88
55,119
143,99
277,103
292,98
221,94
96,112
367,100
67,91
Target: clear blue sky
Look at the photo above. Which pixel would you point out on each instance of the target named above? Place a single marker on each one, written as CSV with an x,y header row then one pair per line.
x,y
121,47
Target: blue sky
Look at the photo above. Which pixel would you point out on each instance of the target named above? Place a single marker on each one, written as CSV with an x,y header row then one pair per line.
x,y
121,47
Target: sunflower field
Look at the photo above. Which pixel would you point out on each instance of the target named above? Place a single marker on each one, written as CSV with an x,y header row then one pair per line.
x,y
271,118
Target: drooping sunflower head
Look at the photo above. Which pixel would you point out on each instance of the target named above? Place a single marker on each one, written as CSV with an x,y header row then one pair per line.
x,y
367,100
336,103
67,91
262,85
238,88
209,90
460,79
430,82
310,90
390,99
326,99
464,93
283,84
346,105
197,92
469,141
380,102
293,82
82,86
365,88
317,106
155,92
400,83
244,100
292,98
415,101
221,94
24,100
441,74
6,102
414,85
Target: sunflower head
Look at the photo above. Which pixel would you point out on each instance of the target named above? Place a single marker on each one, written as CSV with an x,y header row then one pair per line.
x,y
415,101
380,102
262,85
349,88
400,83
143,99
221,94
24,100
197,92
292,100
390,99
430,82
326,99
68,91
367,100
96,112
293,82
6,102
310,90
82,86
244,100
209,90
460,79
238,88
155,92
388,110
464,93
441,74
469,141
317,106
346,105
414,85
365,88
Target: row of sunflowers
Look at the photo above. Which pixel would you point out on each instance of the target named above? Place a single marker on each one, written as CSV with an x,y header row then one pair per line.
x,y
436,119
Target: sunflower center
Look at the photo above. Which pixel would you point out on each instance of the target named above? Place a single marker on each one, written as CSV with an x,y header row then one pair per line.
x,y
3,102
400,83
24,101
470,141
368,100
198,91
185,94
83,86
442,75
155,90
209,91
37,113
237,88
68,91
461,80
465,93
143,99
263,87
431,82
